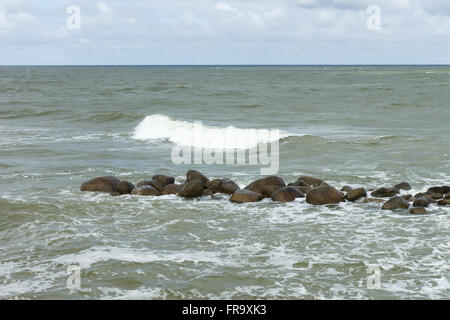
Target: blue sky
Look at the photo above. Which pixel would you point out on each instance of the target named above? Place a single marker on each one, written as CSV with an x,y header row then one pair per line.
x,y
225,32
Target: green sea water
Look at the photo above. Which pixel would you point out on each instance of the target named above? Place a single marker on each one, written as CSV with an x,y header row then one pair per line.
x,y
348,125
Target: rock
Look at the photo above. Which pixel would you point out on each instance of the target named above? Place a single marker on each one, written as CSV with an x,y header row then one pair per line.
x,y
243,195
373,200
298,183
395,203
146,190
302,189
101,184
222,186
418,211
403,186
346,189
115,194
310,181
408,197
441,190
433,196
385,192
422,202
195,175
447,196
163,180
266,186
125,187
444,202
192,189
324,195
151,183
356,194
287,194
172,189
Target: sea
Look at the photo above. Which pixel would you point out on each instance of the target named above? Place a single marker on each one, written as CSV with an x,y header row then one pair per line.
x,y
363,126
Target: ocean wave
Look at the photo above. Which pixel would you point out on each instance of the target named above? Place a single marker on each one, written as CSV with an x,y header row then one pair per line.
x,y
185,133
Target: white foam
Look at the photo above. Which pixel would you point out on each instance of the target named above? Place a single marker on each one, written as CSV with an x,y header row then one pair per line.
x,y
185,133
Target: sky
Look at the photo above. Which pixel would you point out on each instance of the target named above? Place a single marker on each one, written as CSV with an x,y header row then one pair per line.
x,y
165,32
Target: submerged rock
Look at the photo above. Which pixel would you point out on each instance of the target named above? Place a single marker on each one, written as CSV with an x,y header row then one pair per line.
x,y
403,186
422,202
101,184
444,202
324,195
146,190
395,203
373,200
287,194
385,192
125,187
172,189
266,186
356,194
243,195
418,211
192,189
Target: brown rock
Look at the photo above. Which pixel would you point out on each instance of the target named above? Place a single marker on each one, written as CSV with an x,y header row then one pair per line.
x,y
395,203
302,189
222,186
346,189
151,183
310,181
243,195
163,180
192,189
433,196
444,202
447,196
324,195
441,190
101,184
195,175
125,187
422,202
287,194
408,197
372,200
298,183
403,186
385,192
266,186
172,189
418,211
146,190
356,194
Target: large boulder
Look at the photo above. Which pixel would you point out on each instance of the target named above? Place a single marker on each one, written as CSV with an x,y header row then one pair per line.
x,y
287,194
151,183
430,195
444,202
395,203
441,190
195,175
101,184
385,192
172,189
266,186
422,202
310,181
403,186
324,195
192,189
243,195
125,187
356,194
146,190
346,189
222,186
298,183
163,180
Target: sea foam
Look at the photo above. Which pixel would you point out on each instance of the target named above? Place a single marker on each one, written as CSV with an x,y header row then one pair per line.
x,y
184,133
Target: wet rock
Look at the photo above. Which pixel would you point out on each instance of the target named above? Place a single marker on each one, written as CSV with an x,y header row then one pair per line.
x,y
302,189
163,180
395,203
125,187
385,192
346,189
222,186
146,190
287,194
310,181
101,184
441,190
192,189
408,197
324,195
298,183
356,194
447,196
195,175
172,189
243,195
373,200
418,211
115,194
151,183
266,186
432,196
444,202
422,202
403,186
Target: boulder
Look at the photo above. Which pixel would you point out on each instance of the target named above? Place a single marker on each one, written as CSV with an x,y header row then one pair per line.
x,y
444,202
447,196
243,195
395,203
146,190
298,183
266,186
418,211
195,175
422,202
403,186
125,187
310,181
324,195
346,189
302,189
163,180
222,186
408,197
287,194
385,192
432,196
192,189
373,200
356,194
441,190
101,184
172,189
151,183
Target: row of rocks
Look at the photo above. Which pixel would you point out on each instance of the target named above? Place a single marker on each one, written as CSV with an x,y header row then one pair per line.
x,y
316,191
